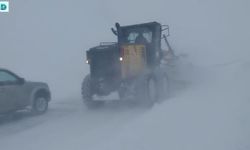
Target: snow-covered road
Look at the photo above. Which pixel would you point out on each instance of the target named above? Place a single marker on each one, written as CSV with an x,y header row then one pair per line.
x,y
67,125
210,114
47,40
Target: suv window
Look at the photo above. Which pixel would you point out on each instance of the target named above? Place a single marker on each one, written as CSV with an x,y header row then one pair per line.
x,y
7,77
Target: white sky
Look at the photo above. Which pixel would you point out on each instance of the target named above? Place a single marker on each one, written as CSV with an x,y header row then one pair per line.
x,y
46,40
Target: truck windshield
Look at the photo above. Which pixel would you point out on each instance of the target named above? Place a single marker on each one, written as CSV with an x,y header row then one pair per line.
x,y
135,36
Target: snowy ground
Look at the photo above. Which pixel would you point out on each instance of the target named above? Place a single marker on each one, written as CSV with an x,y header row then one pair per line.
x,y
46,41
212,113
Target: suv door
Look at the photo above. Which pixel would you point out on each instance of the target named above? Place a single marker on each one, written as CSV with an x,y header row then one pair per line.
x,y
9,91
3,107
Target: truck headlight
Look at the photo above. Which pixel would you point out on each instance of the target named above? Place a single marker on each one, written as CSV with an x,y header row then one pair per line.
x,y
121,59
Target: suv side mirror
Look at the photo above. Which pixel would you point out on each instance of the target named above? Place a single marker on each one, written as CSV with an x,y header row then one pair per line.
x,y
21,81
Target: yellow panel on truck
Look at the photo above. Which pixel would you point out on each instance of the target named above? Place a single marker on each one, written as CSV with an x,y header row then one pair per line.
x,y
133,60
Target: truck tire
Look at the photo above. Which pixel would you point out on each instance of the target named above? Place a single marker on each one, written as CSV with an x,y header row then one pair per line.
x,y
147,92
87,94
152,91
164,88
40,105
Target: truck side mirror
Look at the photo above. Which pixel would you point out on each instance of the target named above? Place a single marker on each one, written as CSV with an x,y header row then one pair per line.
x,y
117,25
114,31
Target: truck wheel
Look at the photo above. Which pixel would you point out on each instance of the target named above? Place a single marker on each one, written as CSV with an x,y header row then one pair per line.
x,y
40,105
165,88
151,91
87,94
147,92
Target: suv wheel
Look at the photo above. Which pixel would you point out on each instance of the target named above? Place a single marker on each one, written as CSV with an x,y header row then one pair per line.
x,y
40,105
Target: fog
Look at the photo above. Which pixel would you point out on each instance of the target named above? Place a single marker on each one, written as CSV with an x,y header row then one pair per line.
x,y
46,41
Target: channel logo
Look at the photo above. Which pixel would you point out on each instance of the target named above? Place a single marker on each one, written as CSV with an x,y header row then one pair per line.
x,y
4,6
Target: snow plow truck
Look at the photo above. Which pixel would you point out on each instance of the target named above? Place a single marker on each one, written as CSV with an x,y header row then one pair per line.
x,y
134,66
